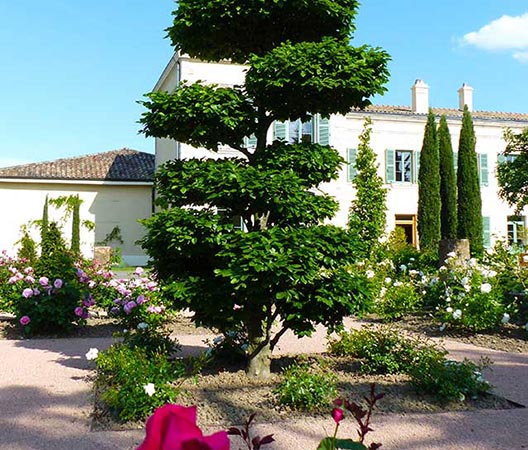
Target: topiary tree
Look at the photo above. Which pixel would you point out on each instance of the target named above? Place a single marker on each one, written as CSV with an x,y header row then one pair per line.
x,y
285,267
367,216
55,260
28,248
448,183
76,226
469,203
429,203
512,172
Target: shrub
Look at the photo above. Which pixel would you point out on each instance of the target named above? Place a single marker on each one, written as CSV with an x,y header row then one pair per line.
x,y
446,379
49,306
305,389
133,383
472,297
381,349
397,300
28,249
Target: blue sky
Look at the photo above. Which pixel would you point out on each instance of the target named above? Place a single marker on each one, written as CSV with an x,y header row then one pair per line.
x,y
71,72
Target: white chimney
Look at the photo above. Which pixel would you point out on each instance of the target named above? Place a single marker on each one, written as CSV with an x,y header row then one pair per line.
x,y
420,97
465,97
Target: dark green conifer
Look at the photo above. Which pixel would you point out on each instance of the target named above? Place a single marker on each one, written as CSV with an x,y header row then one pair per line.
x,y
76,226
448,183
429,204
44,224
469,204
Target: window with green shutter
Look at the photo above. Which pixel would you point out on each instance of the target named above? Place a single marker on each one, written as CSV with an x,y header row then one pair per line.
x,y
416,171
483,168
351,164
486,231
455,161
250,142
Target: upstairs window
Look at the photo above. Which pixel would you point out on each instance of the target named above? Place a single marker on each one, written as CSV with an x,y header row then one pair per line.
x,y
315,130
401,166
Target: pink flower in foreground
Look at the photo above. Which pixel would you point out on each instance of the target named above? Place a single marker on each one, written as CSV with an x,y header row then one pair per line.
x,y
43,281
337,414
57,284
28,292
24,320
173,427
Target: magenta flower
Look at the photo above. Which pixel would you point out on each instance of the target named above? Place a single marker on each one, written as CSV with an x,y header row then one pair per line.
x,y
140,300
139,271
57,284
30,279
43,281
78,311
173,427
129,306
24,320
28,292
337,414
36,291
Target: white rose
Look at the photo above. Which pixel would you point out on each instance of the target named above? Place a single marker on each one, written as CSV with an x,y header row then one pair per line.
x,y
150,389
485,288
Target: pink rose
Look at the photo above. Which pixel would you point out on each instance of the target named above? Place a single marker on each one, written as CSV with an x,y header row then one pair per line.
x,y
78,311
43,281
28,292
173,427
57,283
24,320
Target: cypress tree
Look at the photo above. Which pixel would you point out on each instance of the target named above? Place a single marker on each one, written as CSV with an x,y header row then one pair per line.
x,y
448,183
76,226
429,204
367,216
44,224
469,204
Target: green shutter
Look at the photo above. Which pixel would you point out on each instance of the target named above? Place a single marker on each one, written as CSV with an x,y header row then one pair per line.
x,y
351,161
501,158
323,131
250,142
486,232
455,161
279,130
390,168
416,168
483,169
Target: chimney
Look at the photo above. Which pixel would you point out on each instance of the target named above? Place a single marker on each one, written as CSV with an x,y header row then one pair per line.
x,y
420,97
465,97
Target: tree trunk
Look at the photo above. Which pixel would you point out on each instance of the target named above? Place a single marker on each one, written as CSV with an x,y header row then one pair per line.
x,y
259,351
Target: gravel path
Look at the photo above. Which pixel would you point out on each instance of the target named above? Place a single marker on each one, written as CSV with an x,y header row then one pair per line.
x,y
45,403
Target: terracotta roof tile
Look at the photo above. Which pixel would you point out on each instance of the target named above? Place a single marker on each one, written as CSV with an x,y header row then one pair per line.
x,y
450,112
116,165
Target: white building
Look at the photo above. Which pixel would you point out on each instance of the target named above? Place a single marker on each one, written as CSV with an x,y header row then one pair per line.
x,y
397,139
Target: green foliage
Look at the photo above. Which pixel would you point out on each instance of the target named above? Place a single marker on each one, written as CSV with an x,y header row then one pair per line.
x,y
28,248
448,183
122,374
385,350
44,221
55,260
76,227
285,263
471,298
381,349
213,30
326,77
305,389
447,380
429,204
367,216
206,116
469,203
398,299
511,174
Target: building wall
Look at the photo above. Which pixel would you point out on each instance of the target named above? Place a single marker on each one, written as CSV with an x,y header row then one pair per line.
x,y
390,131
106,205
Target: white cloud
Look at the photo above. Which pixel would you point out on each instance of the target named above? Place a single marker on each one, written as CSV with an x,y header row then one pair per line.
x,y
521,56
505,33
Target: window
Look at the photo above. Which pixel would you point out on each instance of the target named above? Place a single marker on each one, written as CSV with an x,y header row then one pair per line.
x,y
401,166
407,223
516,230
502,158
316,129
486,232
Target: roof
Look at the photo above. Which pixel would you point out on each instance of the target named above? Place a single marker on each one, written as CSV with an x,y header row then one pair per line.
x,y
116,165
449,112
